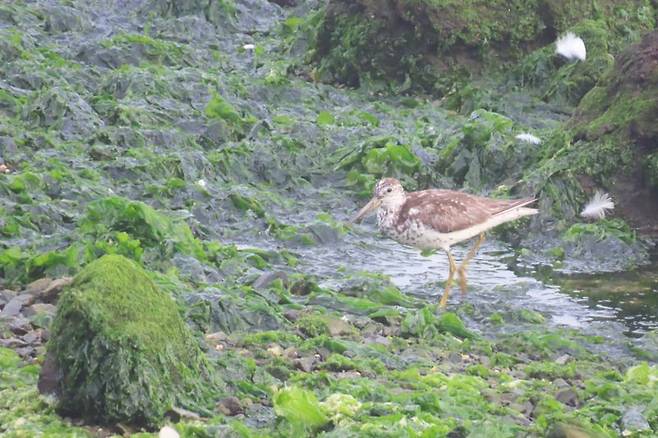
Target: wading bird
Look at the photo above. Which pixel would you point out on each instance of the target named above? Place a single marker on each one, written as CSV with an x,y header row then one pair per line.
x,y
438,219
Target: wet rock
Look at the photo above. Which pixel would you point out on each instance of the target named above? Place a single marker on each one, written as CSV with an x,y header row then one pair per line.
x,y
40,314
304,364
285,2
5,296
61,19
259,416
14,306
562,359
634,420
562,430
13,343
230,406
26,352
31,337
177,414
19,325
567,396
8,148
338,327
267,278
64,111
561,383
49,376
303,287
323,233
131,339
47,290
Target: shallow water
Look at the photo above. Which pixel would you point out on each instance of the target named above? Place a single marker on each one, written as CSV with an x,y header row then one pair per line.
x,y
597,304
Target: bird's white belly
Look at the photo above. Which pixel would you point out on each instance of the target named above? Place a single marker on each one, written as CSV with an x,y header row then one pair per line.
x,y
421,237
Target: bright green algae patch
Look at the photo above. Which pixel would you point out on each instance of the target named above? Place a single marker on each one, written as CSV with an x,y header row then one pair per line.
x,y
124,351
23,413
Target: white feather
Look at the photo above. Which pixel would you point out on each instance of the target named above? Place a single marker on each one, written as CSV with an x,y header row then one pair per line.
x,y
571,47
168,432
249,47
528,138
597,206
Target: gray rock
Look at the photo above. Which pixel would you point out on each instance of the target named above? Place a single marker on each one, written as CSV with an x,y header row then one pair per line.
x,y
268,278
31,337
40,314
567,396
633,420
562,359
46,289
304,364
14,306
20,325
26,352
230,406
49,376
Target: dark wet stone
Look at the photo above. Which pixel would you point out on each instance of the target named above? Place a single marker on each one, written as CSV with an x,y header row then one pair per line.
x,y
279,372
26,352
13,343
304,364
49,376
259,416
190,268
31,337
267,278
634,420
562,430
302,287
19,325
562,359
567,396
40,314
323,233
285,2
230,406
338,327
5,296
46,289
61,19
8,148
560,383
177,414
14,306
63,110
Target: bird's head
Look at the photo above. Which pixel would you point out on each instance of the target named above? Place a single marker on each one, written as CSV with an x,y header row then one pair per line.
x,y
388,193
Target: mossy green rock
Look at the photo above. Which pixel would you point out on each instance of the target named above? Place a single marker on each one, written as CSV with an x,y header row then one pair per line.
x,y
123,350
414,43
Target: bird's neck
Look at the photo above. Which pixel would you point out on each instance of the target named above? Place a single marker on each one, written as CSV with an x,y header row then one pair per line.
x,y
389,211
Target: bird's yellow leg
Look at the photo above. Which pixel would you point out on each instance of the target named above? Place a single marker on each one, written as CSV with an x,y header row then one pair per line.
x,y
451,274
462,268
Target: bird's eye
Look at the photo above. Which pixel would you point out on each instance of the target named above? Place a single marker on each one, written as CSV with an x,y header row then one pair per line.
x,y
389,190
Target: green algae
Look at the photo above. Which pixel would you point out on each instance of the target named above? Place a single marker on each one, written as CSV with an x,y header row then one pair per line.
x,y
141,222
114,326
429,45
23,412
389,403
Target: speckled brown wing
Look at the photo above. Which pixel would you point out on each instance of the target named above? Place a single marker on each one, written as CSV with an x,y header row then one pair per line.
x,y
446,211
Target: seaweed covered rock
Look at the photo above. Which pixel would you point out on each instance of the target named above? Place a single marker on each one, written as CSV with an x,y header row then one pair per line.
x,y
611,140
422,44
121,349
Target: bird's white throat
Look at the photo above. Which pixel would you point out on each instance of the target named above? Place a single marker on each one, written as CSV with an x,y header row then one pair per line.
x,y
389,210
